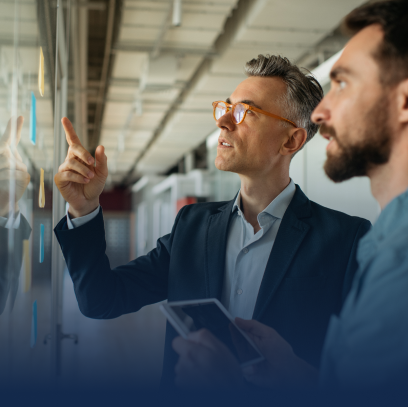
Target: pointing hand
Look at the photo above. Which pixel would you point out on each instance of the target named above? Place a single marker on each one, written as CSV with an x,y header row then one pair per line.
x,y
78,180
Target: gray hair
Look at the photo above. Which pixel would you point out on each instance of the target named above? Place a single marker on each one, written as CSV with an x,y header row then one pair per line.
x,y
303,91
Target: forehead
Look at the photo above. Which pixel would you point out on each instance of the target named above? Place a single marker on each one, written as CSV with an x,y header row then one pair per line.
x,y
358,55
262,91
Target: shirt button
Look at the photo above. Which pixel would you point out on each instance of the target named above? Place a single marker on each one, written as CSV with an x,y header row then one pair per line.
x,y
239,291
245,250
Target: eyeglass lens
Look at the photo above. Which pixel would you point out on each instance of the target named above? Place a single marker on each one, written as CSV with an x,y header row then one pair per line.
x,y
238,111
220,110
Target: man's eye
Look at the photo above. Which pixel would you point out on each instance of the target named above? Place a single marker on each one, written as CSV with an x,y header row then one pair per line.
x,y
342,84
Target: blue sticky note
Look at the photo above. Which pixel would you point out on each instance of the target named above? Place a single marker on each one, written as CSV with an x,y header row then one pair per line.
x,y
33,338
41,243
33,119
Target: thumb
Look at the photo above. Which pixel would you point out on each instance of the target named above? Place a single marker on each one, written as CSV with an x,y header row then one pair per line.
x,y
101,160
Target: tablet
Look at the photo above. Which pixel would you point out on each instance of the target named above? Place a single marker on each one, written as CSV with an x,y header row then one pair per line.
x,y
189,316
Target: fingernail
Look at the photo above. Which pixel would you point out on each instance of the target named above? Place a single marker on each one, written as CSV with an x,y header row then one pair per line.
x,y
86,179
90,160
90,174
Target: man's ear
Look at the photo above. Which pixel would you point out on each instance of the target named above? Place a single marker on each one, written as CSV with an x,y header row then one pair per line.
x,y
402,93
296,139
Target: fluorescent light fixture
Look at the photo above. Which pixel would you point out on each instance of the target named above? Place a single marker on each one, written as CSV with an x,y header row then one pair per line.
x,y
176,13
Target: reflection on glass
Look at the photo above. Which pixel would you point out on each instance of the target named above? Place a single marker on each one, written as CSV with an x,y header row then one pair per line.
x,y
27,89
33,119
14,228
41,194
27,265
41,73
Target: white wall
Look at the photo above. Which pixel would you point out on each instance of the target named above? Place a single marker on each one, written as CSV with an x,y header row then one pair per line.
x,y
352,197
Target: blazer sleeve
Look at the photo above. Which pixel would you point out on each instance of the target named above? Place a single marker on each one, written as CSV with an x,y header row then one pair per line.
x,y
352,266
103,292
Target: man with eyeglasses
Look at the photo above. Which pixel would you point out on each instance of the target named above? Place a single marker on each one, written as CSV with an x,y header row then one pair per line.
x,y
270,253
365,119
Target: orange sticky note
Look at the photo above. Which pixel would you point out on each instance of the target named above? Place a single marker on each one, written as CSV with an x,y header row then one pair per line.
x,y
41,194
41,73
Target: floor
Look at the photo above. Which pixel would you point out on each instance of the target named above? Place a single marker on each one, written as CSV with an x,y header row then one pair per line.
x,y
128,349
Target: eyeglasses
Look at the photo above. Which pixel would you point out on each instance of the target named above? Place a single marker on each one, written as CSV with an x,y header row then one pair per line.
x,y
239,111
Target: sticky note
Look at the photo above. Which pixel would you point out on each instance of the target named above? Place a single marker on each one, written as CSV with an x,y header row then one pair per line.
x,y
41,194
41,243
41,73
33,119
27,266
33,338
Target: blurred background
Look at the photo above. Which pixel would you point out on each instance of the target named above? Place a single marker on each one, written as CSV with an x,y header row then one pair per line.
x,y
139,78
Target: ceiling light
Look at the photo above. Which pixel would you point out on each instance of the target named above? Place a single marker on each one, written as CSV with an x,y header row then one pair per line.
x,y
176,13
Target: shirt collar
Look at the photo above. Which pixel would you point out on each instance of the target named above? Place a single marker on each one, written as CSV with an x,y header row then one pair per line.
x,y
278,206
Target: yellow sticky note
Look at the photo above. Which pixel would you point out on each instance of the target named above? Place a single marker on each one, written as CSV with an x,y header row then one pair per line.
x,y
27,266
41,73
41,194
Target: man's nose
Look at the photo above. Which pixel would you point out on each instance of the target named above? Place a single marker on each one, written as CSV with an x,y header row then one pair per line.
x,y
321,113
225,122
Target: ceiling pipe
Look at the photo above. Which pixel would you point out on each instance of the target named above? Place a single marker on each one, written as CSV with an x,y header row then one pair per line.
x,y
242,16
104,75
77,72
82,15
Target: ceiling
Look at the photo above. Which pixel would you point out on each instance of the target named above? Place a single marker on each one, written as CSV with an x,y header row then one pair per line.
x,y
142,86
164,78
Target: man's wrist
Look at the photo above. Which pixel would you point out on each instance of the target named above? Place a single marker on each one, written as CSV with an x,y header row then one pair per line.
x,y
78,213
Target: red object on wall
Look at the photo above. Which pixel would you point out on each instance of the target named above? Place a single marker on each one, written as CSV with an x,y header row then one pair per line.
x,y
188,200
117,199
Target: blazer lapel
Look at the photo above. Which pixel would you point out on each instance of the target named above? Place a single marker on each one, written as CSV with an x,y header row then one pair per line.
x,y
291,233
215,249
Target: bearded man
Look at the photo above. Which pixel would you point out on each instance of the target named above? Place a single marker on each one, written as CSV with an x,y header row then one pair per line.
x,y
365,119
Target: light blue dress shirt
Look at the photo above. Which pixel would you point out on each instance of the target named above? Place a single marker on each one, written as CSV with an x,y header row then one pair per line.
x,y
367,345
247,252
77,222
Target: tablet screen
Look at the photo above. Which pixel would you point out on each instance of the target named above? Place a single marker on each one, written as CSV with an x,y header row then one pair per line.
x,y
209,316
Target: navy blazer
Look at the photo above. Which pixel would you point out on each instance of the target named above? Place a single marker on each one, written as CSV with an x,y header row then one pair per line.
x,y
307,277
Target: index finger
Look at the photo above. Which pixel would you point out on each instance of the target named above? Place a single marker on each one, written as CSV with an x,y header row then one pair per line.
x,y
75,144
70,133
76,150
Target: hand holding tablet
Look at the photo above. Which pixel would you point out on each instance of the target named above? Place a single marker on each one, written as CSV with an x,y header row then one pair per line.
x,y
190,316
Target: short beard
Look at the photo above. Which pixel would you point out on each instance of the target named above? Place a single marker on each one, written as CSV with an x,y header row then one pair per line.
x,y
356,160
